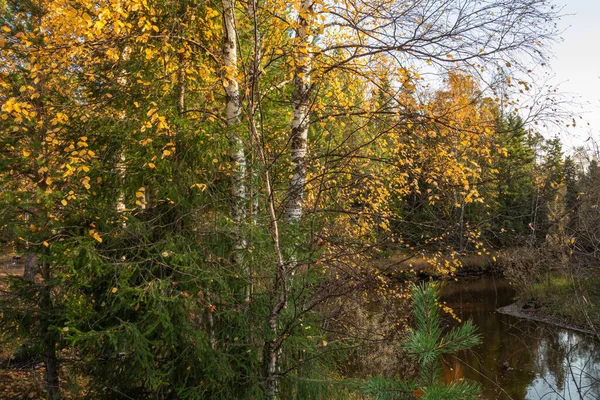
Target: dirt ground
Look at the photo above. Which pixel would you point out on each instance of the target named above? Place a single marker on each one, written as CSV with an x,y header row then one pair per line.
x,y
11,265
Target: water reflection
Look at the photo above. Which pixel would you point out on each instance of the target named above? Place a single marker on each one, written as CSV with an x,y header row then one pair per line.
x,y
519,359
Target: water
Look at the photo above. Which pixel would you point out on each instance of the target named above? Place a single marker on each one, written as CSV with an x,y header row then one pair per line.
x,y
519,359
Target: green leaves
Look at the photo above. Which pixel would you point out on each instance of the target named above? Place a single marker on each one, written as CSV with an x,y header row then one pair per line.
x,y
426,344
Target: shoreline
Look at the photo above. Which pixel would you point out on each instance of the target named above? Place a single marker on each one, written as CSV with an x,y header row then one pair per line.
x,y
538,315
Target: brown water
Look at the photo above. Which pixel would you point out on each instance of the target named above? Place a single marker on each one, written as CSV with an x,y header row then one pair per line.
x,y
519,359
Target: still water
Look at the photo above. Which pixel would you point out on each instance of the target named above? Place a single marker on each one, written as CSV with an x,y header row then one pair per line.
x,y
519,359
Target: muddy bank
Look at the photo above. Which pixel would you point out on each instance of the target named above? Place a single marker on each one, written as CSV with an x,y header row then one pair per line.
x,y
531,312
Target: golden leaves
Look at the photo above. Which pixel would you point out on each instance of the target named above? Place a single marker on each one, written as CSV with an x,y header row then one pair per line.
x,y
86,182
140,196
93,233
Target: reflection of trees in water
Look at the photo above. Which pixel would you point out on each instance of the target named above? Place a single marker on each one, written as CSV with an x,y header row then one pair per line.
x,y
520,359
582,362
568,366
551,358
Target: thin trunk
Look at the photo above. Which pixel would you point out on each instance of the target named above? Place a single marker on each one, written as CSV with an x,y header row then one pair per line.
x,y
295,193
48,337
254,77
181,86
233,105
179,134
180,108
274,341
211,322
301,111
462,224
121,207
45,299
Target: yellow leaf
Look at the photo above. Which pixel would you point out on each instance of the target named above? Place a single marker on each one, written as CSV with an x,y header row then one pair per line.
x,y
46,244
26,153
95,235
64,202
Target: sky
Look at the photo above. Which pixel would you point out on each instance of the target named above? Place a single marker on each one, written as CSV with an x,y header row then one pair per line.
x,y
576,67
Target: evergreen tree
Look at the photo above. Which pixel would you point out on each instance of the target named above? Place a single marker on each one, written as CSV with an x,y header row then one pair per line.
x,y
426,344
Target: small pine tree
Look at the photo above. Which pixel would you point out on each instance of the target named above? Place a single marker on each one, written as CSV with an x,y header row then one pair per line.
x,y
426,344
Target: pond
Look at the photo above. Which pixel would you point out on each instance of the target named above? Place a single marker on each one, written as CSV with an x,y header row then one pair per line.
x,y
519,359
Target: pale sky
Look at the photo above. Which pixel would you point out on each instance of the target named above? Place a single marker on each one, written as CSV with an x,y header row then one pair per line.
x,y
576,65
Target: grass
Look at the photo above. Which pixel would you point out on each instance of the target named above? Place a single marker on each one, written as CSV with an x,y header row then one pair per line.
x,y
573,297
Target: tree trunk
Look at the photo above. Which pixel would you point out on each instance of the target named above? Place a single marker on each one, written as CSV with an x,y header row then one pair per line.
x,y
121,206
238,157
30,268
253,103
274,341
301,111
48,337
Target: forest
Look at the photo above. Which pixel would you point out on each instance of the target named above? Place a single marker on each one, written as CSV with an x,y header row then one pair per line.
x,y
211,199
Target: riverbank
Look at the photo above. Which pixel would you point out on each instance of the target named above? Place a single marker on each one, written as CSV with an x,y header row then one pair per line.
x,y
518,359
568,297
528,311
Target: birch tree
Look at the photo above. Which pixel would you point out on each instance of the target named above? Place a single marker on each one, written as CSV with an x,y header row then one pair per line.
x,y
232,111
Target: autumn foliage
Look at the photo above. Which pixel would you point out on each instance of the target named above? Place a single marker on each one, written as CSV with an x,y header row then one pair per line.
x,y
204,183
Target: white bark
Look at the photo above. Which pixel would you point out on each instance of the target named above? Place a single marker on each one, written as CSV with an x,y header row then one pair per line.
x,y
301,104
120,206
231,85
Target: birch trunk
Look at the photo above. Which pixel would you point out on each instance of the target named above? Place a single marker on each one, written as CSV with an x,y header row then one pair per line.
x,y
232,92
120,206
301,104
253,103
